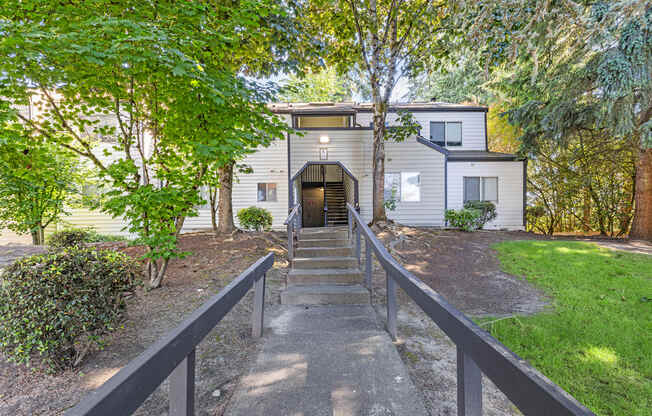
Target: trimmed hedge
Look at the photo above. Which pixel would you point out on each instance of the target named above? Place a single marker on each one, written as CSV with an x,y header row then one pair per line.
x,y
58,305
255,219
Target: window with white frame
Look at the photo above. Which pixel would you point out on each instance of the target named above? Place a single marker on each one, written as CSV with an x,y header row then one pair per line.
x,y
403,186
266,192
478,188
446,133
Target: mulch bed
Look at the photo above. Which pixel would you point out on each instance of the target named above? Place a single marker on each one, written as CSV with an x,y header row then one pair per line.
x,y
189,282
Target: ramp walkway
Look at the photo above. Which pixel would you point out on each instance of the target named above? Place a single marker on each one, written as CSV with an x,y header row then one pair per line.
x,y
326,360
324,351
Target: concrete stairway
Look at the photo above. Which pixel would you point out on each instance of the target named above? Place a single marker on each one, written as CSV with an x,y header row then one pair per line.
x,y
325,270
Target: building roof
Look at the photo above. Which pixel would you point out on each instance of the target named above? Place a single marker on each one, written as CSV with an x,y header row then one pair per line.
x,y
351,107
479,156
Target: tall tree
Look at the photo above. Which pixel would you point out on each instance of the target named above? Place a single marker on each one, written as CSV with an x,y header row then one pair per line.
x,y
384,40
573,66
155,68
275,42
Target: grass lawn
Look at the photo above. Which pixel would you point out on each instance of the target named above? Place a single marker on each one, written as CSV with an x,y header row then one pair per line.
x,y
596,340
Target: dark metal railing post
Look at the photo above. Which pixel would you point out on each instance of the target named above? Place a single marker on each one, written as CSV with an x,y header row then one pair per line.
x,y
182,387
357,244
392,306
469,386
290,242
367,264
258,314
350,220
323,175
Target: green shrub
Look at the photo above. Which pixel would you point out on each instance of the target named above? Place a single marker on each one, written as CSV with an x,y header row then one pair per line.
x,y
487,211
464,219
67,238
72,237
254,218
473,216
58,305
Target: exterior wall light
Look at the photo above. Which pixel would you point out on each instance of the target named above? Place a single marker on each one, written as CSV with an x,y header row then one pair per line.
x,y
324,139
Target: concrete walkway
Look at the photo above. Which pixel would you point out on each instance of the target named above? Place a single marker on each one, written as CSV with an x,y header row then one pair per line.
x,y
326,360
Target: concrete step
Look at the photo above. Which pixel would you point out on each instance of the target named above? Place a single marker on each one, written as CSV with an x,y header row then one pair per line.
x,y
326,233
325,262
331,242
308,277
325,295
346,251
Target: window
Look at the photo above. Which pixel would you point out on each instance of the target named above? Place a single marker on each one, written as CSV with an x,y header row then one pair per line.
x,y
480,189
404,186
266,192
446,133
307,122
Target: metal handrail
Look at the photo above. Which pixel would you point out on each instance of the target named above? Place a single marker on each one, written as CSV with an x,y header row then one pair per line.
x,y
174,354
293,222
477,351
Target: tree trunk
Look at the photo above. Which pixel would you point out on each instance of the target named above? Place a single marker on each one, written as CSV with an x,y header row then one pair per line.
x,y
379,165
38,236
642,222
212,195
225,204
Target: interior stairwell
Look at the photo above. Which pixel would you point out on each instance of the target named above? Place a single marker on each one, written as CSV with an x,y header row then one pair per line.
x,y
325,270
335,196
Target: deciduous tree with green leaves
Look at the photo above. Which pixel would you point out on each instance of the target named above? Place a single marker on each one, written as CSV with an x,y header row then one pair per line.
x,y
157,70
385,40
37,180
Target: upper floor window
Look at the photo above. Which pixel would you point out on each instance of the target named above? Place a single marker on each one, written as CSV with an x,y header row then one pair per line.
x,y
446,133
480,189
314,121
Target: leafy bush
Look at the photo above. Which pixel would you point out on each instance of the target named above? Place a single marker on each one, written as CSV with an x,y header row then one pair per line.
x,y
473,216
72,237
487,211
254,218
464,219
60,304
67,238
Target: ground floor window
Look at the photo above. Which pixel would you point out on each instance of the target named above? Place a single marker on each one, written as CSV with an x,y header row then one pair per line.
x,y
477,188
266,192
403,186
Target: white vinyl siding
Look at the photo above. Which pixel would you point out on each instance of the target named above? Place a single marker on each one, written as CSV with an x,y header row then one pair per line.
x,y
509,207
352,148
473,125
412,157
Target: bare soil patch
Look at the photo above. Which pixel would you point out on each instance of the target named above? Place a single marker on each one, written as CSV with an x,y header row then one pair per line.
x,y
190,281
465,270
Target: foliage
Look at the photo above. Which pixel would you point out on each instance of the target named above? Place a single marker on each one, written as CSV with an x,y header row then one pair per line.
x,y
59,305
36,180
254,218
465,219
571,68
170,74
460,79
593,343
383,40
487,211
323,86
71,237
587,185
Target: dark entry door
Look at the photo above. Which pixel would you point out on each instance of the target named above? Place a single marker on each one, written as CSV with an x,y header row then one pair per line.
x,y
312,202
